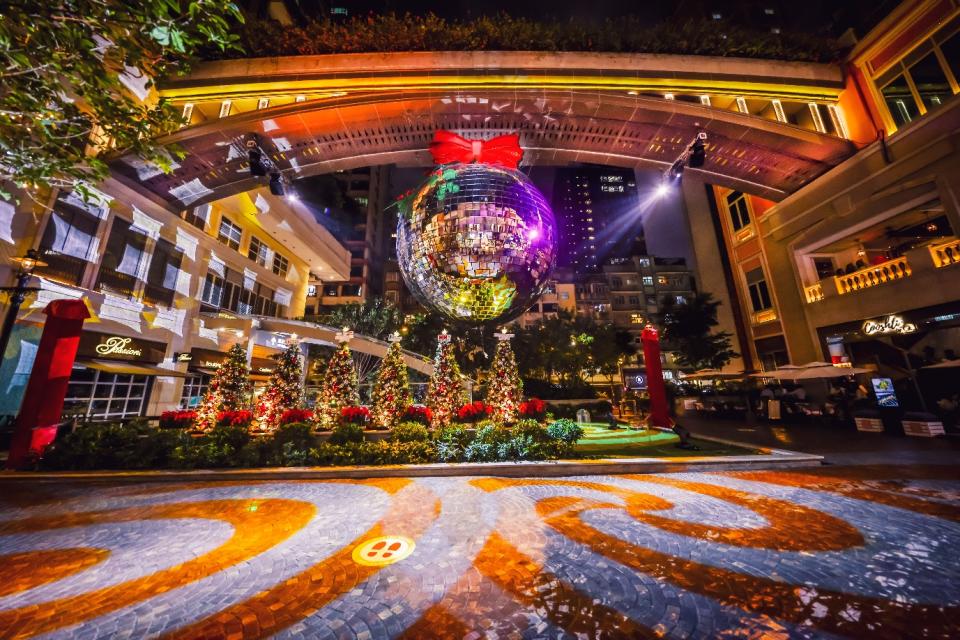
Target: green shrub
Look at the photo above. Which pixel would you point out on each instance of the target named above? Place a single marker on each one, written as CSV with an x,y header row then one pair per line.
x,y
346,432
410,432
488,444
450,443
134,445
219,447
564,434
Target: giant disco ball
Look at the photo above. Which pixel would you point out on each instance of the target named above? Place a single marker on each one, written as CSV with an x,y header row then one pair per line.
x,y
476,243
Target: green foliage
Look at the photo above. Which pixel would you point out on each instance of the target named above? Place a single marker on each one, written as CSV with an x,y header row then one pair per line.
x,y
451,443
565,430
487,445
376,317
113,446
688,329
221,446
632,33
410,432
67,69
346,432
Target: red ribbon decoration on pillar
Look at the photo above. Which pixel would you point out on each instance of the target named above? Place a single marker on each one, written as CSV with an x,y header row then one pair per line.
x,y
448,148
659,414
42,404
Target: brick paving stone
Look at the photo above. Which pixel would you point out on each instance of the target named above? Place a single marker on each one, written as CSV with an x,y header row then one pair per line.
x,y
840,551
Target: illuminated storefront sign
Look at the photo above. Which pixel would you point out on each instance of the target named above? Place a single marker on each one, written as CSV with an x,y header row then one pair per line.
x,y
115,345
888,325
635,379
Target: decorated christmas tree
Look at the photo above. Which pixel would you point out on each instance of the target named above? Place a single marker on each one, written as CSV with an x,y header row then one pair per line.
x,y
391,393
444,393
229,389
504,386
339,387
285,390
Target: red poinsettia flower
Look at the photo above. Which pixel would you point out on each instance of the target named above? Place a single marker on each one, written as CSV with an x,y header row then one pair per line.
x,y
533,408
474,411
418,413
177,419
355,415
241,418
296,415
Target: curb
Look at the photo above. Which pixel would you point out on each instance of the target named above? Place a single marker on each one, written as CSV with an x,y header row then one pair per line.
x,y
776,459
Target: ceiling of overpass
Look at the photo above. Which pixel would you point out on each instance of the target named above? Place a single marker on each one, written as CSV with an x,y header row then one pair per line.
x,y
559,127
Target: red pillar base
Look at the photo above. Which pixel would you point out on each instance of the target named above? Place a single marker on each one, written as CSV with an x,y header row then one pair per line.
x,y
656,388
42,404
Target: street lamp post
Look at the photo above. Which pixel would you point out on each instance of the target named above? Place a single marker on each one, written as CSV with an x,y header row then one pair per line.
x,y
26,265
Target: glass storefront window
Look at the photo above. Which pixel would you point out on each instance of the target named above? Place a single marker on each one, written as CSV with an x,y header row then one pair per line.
x,y
122,259
194,388
951,53
104,396
900,102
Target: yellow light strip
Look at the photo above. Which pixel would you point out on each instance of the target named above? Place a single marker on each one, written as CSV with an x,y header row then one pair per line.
x,y
463,82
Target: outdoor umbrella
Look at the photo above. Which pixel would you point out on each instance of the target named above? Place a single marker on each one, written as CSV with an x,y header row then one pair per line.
x,y
713,374
829,371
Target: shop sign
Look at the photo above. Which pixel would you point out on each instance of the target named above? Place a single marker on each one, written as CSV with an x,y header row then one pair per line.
x,y
635,379
888,325
115,345
182,357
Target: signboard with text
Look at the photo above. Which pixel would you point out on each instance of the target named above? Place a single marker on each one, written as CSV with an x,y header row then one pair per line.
x,y
105,346
635,379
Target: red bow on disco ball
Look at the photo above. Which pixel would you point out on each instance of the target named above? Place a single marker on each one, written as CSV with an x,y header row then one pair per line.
x,y
447,148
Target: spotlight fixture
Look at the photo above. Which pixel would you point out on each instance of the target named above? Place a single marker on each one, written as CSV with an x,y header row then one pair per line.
x,y
698,152
662,189
276,183
293,196
255,157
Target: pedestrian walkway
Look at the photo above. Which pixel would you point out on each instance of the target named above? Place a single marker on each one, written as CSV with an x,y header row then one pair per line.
x,y
832,551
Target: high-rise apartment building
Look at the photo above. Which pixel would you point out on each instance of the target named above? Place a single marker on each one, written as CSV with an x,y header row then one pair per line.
x,y
596,211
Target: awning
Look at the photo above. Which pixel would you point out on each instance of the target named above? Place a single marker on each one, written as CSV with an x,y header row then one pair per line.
x,y
130,368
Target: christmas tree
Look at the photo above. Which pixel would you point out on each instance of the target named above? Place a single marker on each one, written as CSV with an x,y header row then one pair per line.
x,y
391,395
444,393
339,387
285,390
504,386
229,389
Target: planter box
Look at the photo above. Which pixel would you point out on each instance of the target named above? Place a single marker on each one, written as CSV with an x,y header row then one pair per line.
x,y
872,425
923,429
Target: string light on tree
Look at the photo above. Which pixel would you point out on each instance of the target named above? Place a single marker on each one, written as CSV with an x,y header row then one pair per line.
x,y
285,390
340,386
444,392
504,386
391,393
229,389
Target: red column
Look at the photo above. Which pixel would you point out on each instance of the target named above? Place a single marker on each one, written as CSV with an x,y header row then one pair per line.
x,y
42,405
659,414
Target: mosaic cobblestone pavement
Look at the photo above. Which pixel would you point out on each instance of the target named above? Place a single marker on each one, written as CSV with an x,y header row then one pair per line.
x,y
825,553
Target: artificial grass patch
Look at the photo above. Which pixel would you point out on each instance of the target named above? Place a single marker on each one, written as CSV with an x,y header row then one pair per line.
x,y
601,442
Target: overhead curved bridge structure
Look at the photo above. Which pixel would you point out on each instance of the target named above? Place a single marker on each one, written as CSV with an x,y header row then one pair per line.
x,y
258,328
317,114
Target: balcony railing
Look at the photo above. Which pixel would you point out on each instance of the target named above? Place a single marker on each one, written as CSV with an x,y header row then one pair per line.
x,y
874,275
945,254
814,292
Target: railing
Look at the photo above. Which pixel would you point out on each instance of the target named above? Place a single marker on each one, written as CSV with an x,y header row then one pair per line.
x,y
814,292
945,254
873,275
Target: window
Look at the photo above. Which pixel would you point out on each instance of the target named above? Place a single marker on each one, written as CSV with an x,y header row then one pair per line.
x,y
950,48
212,292
68,243
900,102
163,274
229,234
393,276
258,251
311,290
931,81
197,216
618,300
351,290
194,388
331,290
680,299
739,211
550,307
122,259
636,318
356,271
616,283
102,395
634,300
759,293
280,265
648,281
824,267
